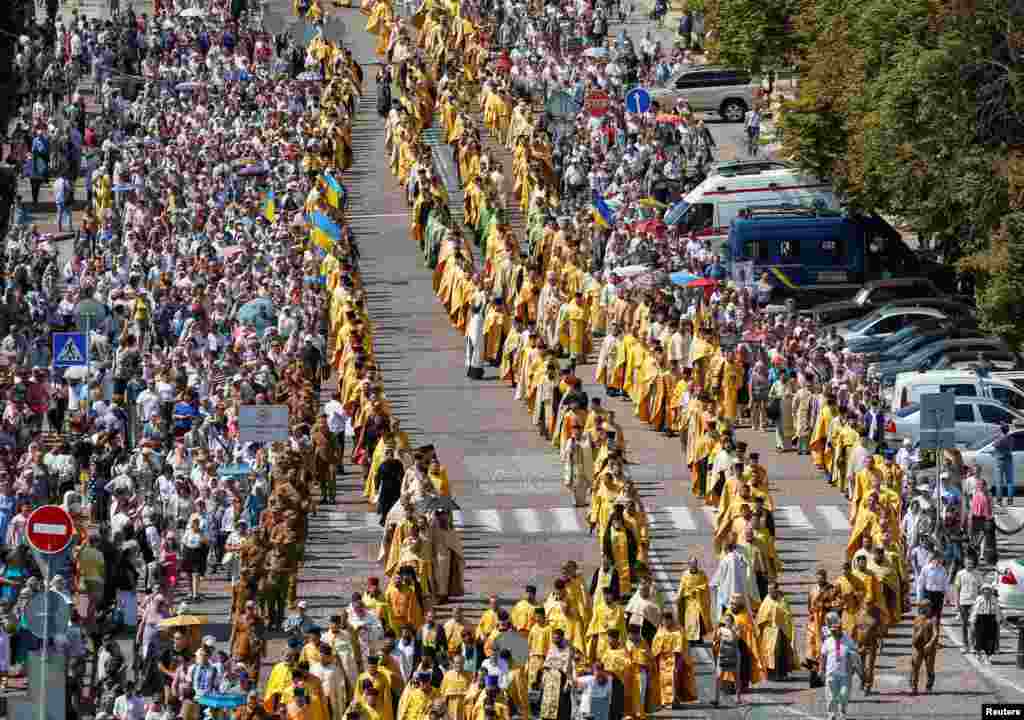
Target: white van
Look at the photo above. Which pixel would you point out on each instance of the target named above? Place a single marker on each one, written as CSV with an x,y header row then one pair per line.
x,y
1004,387
714,204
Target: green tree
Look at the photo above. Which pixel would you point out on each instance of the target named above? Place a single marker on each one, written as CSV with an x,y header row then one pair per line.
x,y
755,35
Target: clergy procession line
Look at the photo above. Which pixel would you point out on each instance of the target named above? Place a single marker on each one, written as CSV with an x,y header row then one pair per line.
x,y
523,308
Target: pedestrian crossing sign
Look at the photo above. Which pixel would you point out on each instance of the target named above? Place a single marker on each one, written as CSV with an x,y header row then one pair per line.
x,y
70,349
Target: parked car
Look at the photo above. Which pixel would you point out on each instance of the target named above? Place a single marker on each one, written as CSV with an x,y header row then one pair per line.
x,y
976,419
886,321
1010,587
920,339
982,453
930,355
996,359
866,345
707,88
873,295
1000,386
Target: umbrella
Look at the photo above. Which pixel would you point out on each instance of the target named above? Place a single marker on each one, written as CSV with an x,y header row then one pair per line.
x,y
231,250
683,278
258,313
702,283
253,170
651,203
676,213
595,52
189,85
436,503
224,701
192,13
650,226
125,188
79,372
183,621
668,118
309,76
630,270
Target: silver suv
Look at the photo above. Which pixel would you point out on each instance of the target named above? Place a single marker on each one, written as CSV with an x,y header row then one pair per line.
x,y
725,91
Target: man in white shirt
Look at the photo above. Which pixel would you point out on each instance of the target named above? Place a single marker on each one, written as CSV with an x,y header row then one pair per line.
x,y
932,585
839,661
334,411
967,586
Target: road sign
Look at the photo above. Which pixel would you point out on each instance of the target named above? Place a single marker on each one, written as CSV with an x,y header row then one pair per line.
x,y
638,100
47,614
263,423
562,105
70,349
49,529
597,103
938,421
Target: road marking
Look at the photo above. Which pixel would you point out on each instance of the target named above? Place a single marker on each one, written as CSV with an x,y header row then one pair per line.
x,y
835,517
1017,513
792,517
567,521
682,519
528,521
985,670
490,519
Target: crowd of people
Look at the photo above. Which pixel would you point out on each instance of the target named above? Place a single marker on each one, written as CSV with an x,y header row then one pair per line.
x,y
219,272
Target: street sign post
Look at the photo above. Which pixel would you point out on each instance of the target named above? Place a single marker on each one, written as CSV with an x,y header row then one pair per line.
x,y
49,533
638,100
70,349
938,421
50,529
938,425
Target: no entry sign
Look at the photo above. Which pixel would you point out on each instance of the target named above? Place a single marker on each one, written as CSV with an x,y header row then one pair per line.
x,y
49,529
597,103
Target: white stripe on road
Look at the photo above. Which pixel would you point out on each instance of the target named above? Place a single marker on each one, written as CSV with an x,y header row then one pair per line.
x,y
528,521
682,519
835,518
567,520
986,670
489,519
792,517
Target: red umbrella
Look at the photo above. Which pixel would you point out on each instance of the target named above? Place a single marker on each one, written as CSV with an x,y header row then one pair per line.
x,y
651,226
668,118
702,283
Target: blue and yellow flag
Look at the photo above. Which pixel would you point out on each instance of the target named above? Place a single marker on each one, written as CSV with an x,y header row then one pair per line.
x,y
324,231
603,215
335,191
270,206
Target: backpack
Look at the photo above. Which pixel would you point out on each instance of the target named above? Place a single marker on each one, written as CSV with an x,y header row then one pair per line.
x,y
728,650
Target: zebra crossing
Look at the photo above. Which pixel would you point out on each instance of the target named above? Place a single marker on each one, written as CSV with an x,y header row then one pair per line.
x,y
568,521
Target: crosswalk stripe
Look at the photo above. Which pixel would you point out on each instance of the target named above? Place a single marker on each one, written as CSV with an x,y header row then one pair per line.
x,y
528,521
792,517
567,520
572,521
489,519
835,518
682,519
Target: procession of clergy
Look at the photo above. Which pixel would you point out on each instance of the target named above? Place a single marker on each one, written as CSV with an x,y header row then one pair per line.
x,y
524,313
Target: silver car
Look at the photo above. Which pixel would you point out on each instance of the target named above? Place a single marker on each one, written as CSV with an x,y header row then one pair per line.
x,y
976,418
726,91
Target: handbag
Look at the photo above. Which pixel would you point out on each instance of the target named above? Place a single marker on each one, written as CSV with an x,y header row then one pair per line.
x,y
774,409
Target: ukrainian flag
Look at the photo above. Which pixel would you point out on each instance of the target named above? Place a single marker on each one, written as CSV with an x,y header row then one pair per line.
x,y
324,230
270,206
335,191
604,216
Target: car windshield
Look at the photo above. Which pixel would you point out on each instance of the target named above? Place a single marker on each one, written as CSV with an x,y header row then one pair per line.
x,y
863,323
920,356
908,410
979,444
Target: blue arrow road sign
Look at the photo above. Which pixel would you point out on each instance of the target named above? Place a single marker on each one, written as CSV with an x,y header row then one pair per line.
x,y
70,349
638,100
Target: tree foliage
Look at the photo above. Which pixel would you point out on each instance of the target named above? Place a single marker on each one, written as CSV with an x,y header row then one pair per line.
x,y
753,35
916,109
